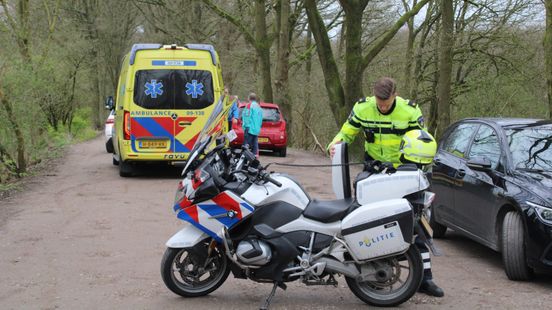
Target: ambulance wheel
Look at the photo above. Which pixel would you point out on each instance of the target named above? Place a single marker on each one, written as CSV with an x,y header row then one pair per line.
x,y
125,169
115,162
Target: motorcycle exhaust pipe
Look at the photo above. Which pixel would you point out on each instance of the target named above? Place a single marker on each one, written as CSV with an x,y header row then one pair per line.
x,y
333,265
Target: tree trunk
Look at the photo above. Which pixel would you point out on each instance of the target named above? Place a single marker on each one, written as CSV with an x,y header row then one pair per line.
x,y
548,52
24,31
308,69
260,41
342,101
409,55
95,96
282,66
263,49
332,79
445,66
21,161
418,58
389,34
353,49
19,27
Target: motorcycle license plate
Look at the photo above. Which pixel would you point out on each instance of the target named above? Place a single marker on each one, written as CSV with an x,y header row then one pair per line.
x,y
425,224
153,144
263,140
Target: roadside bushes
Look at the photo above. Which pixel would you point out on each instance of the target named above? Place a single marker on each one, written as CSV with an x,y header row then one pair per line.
x,y
38,117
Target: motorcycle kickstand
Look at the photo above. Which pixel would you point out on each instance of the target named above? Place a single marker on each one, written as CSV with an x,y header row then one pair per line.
x,y
267,301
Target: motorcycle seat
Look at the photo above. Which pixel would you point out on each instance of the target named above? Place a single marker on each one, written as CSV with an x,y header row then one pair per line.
x,y
327,211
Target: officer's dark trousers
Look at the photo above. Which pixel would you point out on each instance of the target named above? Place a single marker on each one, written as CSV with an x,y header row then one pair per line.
x,y
424,251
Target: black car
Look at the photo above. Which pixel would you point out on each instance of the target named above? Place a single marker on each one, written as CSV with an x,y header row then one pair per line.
x,y
493,180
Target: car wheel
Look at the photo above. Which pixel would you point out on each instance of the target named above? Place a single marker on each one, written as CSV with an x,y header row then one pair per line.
x,y
439,230
513,248
282,152
125,169
109,146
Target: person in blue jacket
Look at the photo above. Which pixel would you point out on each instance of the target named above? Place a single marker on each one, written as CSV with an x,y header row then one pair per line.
x,y
252,119
233,113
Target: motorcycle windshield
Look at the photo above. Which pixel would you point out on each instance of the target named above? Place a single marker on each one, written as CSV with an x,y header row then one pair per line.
x,y
214,125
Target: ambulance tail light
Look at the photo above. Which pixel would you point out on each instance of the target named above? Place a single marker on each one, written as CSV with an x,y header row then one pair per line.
x,y
126,125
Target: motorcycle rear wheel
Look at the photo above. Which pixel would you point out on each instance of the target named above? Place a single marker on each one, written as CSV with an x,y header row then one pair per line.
x,y
383,294
185,273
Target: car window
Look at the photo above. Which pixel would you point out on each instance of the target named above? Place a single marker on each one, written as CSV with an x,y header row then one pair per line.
x,y
271,115
530,147
486,144
459,139
173,89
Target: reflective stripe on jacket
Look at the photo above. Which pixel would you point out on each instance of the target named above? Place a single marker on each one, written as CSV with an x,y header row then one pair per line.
x,y
383,133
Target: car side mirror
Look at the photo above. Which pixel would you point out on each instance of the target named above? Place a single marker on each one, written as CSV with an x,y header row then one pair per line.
x,y
109,104
479,163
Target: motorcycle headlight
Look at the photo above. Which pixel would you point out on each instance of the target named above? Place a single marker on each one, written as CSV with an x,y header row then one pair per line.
x,y
543,213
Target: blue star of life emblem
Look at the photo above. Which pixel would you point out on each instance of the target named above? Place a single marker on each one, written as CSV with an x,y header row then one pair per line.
x,y
194,89
154,88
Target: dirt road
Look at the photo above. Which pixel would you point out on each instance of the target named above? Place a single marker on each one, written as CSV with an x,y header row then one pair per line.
x,y
81,237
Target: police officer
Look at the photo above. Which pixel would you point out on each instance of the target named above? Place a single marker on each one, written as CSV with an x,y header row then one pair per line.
x,y
384,119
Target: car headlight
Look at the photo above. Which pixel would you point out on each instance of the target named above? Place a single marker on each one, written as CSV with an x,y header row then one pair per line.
x,y
543,213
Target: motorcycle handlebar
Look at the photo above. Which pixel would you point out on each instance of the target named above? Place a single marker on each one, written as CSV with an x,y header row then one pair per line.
x,y
248,154
271,180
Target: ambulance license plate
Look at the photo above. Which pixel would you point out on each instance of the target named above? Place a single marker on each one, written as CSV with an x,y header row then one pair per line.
x,y
153,144
263,140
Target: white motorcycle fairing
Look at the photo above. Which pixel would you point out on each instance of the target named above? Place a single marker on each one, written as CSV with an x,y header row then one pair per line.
x,y
186,237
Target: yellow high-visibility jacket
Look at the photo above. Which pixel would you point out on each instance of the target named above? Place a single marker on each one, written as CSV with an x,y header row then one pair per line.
x,y
382,132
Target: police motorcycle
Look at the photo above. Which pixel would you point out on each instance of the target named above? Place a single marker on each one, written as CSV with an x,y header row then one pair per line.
x,y
238,217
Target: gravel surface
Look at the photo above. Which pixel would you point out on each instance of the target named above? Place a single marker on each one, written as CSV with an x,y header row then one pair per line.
x,y
81,237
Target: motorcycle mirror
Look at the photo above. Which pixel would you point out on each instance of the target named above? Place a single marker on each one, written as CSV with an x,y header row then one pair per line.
x,y
220,140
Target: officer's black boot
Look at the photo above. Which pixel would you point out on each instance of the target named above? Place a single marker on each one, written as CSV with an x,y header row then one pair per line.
x,y
430,288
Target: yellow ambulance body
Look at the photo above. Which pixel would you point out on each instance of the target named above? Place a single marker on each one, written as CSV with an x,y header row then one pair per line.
x,y
164,97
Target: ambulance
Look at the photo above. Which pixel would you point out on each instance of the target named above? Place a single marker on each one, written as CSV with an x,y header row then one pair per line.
x,y
164,96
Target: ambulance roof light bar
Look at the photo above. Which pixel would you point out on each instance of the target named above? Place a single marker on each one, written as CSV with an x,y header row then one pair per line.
x,y
142,46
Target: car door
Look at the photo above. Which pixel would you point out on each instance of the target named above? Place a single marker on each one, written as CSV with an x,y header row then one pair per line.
x,y
475,198
452,150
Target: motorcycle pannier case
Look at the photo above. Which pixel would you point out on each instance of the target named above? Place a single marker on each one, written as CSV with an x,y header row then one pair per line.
x,y
379,229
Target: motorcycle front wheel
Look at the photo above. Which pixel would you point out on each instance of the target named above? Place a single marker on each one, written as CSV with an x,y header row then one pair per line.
x,y
188,272
402,279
